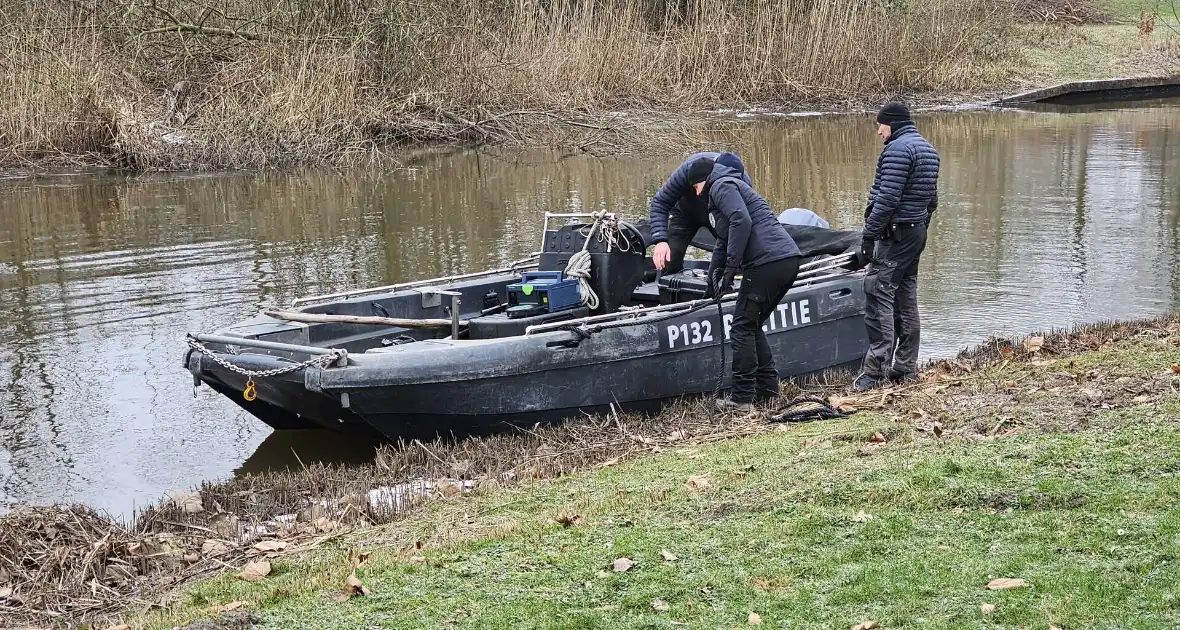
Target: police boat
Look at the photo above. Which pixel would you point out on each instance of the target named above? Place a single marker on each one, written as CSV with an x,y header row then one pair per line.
x,y
581,325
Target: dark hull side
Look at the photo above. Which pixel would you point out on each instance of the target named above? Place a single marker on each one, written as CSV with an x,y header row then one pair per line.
x,y
441,387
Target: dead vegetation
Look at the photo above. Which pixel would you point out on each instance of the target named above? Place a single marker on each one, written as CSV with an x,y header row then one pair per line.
x,y
69,564
1060,12
176,84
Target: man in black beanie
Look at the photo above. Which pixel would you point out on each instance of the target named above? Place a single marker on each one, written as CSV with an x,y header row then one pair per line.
x,y
677,213
903,199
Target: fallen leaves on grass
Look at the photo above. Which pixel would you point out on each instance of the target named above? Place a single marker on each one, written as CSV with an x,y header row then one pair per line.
x,y
1176,368
566,519
270,545
699,482
987,609
862,517
213,547
121,626
754,619
878,438
660,605
843,404
1034,344
255,571
357,558
352,587
866,625
1003,584
668,556
622,564
230,607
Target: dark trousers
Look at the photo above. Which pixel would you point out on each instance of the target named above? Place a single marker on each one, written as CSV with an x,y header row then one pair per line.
x,y
891,308
762,288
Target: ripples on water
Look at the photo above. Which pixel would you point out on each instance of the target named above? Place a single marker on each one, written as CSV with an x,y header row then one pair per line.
x,y
1046,220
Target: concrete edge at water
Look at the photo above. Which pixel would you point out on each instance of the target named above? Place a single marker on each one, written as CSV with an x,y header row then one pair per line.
x,y
1098,90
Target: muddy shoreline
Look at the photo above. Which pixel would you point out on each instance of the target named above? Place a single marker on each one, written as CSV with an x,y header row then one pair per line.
x,y
599,133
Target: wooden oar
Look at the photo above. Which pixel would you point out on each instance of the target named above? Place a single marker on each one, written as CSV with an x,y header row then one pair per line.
x,y
317,318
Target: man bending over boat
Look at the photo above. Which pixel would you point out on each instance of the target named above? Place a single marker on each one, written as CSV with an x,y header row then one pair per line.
x,y
677,212
750,240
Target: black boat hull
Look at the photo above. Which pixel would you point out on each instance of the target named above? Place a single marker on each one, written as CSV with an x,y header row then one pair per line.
x,y
462,387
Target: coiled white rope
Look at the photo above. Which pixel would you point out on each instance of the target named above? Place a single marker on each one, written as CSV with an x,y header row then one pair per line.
x,y
579,266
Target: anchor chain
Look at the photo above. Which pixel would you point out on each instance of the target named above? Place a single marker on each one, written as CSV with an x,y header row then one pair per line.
x,y
251,391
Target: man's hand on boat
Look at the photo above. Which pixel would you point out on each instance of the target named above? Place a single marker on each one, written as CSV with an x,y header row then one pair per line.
x,y
661,255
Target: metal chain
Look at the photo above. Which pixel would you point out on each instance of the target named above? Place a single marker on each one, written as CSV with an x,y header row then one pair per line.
x,y
322,360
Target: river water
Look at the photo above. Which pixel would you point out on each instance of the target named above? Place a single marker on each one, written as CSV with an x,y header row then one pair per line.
x,y
1047,219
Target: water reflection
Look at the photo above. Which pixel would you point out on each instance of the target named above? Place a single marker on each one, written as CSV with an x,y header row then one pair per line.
x,y
1047,219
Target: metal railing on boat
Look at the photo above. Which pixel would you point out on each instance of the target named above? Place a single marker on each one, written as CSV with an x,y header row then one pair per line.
x,y
828,268
524,263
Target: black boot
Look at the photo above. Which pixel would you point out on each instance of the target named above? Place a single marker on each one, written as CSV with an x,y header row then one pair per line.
x,y
864,383
902,378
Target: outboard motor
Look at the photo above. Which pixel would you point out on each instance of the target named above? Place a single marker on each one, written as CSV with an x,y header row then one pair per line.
x,y
614,274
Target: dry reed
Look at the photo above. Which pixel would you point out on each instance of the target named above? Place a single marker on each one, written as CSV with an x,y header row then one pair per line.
x,y
247,83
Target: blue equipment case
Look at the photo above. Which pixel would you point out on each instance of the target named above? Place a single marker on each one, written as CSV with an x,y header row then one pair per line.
x,y
542,292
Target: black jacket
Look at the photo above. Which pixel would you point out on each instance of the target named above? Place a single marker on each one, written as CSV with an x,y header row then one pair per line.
x,y
748,233
676,192
906,185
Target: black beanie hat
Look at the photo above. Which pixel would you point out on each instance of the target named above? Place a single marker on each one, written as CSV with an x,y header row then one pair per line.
x,y
699,170
893,112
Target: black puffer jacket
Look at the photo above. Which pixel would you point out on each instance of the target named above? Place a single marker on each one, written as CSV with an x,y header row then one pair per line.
x,y
748,234
906,186
678,193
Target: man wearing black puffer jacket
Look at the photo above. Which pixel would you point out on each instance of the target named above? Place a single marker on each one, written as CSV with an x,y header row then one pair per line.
x,y
903,199
750,240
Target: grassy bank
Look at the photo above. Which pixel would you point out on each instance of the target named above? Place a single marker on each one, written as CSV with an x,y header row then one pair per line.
x,y
246,83
1050,461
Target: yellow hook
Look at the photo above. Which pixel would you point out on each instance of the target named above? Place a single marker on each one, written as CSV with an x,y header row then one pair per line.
x,y
250,393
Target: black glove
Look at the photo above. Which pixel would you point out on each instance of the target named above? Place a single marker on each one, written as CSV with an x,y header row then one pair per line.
x,y
865,255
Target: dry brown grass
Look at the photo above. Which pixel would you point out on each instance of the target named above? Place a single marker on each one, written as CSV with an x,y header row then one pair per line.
x,y
247,83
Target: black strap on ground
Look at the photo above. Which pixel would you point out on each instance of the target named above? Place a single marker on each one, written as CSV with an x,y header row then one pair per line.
x,y
807,408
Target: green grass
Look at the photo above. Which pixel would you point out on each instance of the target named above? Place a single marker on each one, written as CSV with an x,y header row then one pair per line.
x,y
1129,10
1089,519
